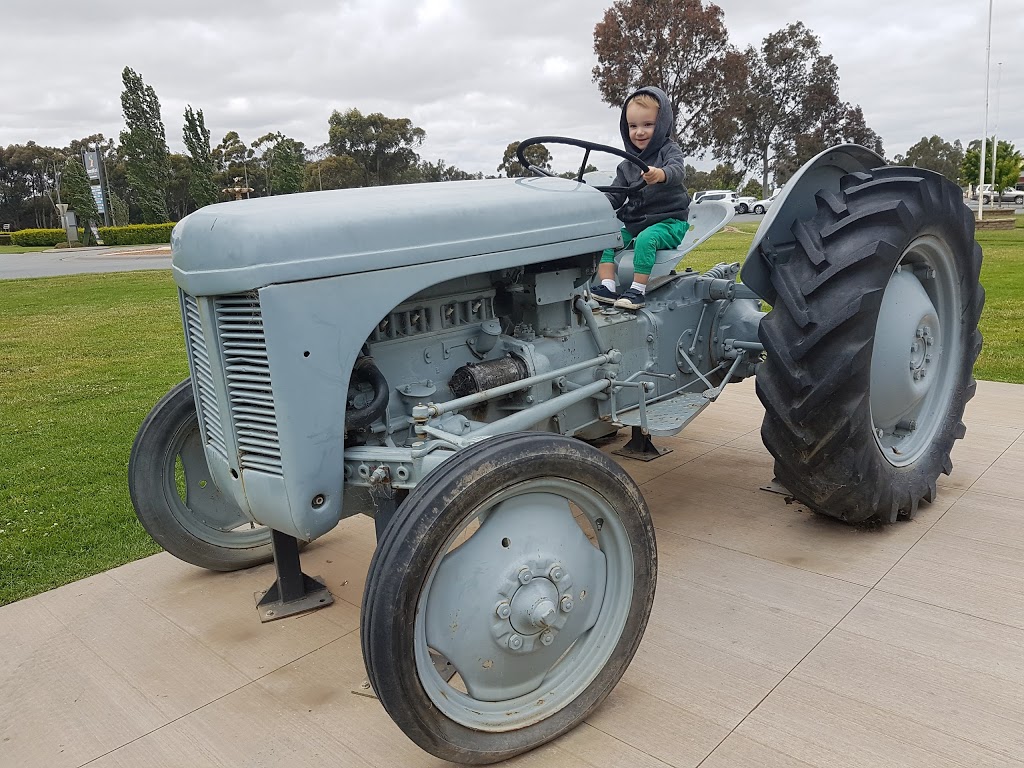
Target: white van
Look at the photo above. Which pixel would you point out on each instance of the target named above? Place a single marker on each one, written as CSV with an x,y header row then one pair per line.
x,y
715,194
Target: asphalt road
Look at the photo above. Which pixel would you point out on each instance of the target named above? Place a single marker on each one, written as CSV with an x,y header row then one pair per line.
x,y
79,261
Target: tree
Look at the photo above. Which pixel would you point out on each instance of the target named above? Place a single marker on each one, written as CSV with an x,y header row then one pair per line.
x,y
937,155
441,171
537,154
724,176
1008,164
27,173
790,89
680,46
383,147
119,216
333,172
232,157
573,174
753,189
196,135
145,147
179,199
78,194
283,160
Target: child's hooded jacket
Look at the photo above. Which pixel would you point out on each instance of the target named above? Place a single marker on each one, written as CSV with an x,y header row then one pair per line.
x,y
655,202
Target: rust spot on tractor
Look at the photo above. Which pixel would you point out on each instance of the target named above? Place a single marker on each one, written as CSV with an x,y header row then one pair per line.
x,y
488,663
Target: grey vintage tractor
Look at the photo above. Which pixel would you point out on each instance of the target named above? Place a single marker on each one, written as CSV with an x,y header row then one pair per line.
x,y
430,355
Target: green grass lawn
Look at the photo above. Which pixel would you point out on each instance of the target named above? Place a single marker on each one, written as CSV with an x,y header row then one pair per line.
x,y
83,359
22,248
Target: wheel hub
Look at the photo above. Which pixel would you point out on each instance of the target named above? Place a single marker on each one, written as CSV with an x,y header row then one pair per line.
x,y
534,602
534,607
915,348
906,350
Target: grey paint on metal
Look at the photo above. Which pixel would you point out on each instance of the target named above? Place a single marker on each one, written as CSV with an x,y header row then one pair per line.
x,y
669,416
247,244
796,202
335,271
329,319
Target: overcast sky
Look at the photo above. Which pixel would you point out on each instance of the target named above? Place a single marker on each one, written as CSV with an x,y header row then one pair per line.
x,y
474,75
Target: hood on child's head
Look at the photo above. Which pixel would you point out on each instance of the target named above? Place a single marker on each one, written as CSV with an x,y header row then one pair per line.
x,y
662,128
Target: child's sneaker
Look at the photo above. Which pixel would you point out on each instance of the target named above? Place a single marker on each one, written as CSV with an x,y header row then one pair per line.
x,y
631,298
602,294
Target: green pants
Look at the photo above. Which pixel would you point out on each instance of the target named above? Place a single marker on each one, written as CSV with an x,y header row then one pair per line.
x,y
663,236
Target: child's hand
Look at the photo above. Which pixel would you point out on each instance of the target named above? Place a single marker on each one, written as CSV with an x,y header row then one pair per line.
x,y
654,176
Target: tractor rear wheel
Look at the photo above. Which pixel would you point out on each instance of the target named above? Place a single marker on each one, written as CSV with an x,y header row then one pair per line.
x,y
871,344
507,596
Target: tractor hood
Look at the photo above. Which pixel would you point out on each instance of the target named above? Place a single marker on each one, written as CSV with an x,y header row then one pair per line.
x,y
248,244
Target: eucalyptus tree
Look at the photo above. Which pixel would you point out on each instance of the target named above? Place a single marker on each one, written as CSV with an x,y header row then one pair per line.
x,y
144,145
680,46
383,147
202,187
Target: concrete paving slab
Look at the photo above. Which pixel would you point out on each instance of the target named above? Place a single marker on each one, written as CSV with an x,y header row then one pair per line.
x,y
778,637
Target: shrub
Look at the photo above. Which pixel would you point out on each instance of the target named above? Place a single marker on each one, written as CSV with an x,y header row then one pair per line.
x,y
5,238
38,237
137,234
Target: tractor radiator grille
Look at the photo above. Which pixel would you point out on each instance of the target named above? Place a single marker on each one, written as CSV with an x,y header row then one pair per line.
x,y
248,415
244,349
209,413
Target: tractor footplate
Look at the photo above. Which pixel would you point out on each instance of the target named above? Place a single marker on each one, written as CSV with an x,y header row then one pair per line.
x,y
667,417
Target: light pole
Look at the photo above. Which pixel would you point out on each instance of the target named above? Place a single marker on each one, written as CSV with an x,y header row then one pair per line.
x,y
996,195
984,133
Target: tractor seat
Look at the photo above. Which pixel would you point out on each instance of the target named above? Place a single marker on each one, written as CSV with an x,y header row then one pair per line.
x,y
704,219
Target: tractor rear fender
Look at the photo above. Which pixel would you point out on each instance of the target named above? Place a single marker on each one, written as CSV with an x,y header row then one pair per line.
x,y
796,202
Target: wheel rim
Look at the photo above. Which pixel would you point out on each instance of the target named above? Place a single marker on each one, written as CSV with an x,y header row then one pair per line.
x,y
916,349
526,652
204,512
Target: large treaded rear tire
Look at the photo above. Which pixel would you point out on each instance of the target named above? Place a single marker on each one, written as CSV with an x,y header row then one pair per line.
x,y
816,383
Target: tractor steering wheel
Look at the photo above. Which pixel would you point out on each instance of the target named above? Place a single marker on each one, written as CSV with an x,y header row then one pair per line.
x,y
589,147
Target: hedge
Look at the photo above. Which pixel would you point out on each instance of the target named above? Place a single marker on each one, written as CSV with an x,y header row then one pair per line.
x,y
5,238
136,234
38,237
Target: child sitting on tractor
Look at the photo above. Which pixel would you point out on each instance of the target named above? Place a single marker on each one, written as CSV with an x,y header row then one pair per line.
x,y
653,217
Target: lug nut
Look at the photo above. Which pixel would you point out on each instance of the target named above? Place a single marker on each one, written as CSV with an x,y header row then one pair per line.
x,y
515,642
566,604
556,573
525,576
504,610
547,637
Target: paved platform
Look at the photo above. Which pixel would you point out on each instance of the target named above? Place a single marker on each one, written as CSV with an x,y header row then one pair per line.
x,y
778,638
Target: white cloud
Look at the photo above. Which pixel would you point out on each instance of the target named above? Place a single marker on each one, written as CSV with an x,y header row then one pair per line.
x,y
475,76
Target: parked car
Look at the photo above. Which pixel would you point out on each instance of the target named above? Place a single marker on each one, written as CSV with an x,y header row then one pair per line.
x,y
1008,195
745,204
760,206
715,194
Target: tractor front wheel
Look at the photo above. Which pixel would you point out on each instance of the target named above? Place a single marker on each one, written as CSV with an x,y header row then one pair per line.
x,y
175,499
507,596
871,343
